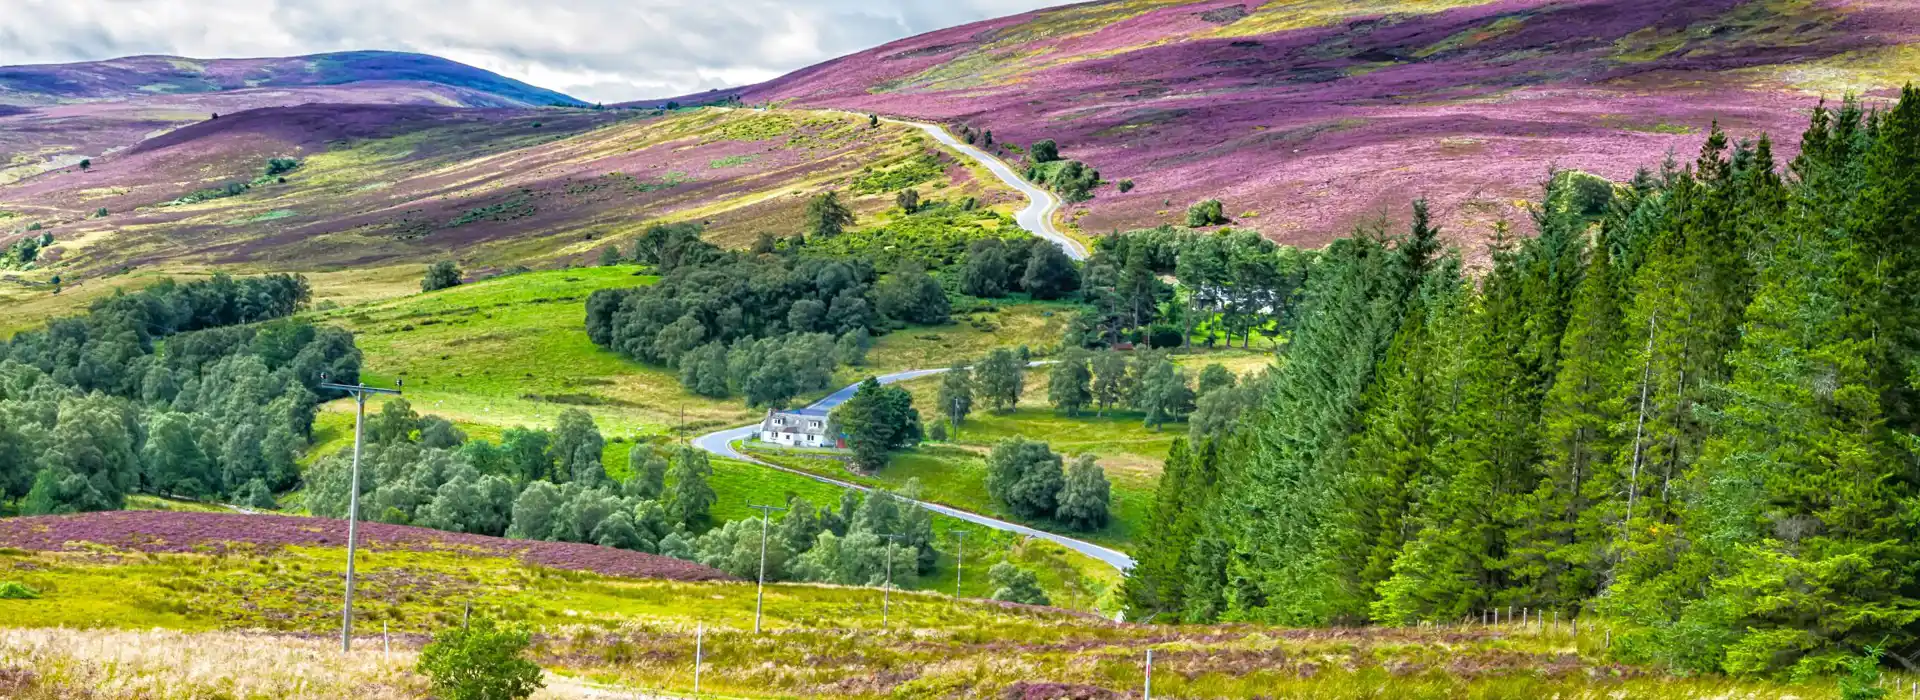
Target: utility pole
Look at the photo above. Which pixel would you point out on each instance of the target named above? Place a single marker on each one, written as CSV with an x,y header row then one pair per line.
x,y
956,419
760,590
959,561
360,393
886,594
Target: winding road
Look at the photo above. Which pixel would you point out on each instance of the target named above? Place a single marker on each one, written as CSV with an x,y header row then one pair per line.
x,y
720,444
1036,218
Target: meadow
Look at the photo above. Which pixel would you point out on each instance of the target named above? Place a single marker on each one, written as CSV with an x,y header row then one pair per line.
x,y
512,351
261,622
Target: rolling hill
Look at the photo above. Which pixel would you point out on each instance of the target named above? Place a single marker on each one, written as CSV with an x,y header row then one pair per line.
x,y
386,184
1306,116
147,76
53,116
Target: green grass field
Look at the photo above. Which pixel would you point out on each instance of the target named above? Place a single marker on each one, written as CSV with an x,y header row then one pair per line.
x,y
514,350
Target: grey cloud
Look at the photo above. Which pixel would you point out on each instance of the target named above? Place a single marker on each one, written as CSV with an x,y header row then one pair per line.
x,y
603,50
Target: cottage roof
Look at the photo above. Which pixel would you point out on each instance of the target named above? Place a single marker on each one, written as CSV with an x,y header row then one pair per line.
x,y
800,422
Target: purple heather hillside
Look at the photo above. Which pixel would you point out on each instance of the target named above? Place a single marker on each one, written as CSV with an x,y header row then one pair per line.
x,y
158,531
1307,116
53,116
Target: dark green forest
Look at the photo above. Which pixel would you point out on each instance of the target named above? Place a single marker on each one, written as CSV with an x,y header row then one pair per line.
x,y
1689,406
197,390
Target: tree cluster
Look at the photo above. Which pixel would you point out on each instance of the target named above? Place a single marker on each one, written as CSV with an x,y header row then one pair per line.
x,y
848,546
93,409
996,267
1687,405
763,327
534,484
21,254
1148,382
551,485
1232,284
877,420
1028,477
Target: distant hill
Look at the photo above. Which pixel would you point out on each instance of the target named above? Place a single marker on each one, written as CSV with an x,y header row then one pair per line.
x,y
148,76
1306,116
54,116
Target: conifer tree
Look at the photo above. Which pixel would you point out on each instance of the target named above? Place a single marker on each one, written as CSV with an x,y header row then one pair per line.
x,y
1279,492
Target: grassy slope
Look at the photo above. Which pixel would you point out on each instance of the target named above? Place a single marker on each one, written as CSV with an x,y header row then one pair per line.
x,y
577,181
1307,116
117,617
498,353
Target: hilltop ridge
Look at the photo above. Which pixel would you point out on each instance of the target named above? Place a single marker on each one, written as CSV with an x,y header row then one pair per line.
x,y
1308,116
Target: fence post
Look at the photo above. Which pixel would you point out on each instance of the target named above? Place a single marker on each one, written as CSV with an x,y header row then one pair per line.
x,y
1148,691
699,637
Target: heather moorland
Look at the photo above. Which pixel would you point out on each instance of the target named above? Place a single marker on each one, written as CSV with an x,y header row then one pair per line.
x,y
1306,116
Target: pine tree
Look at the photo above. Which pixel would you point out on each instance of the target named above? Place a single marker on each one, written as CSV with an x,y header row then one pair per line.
x,y
1556,547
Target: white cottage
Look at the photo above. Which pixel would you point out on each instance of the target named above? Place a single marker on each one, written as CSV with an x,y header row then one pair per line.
x,y
802,428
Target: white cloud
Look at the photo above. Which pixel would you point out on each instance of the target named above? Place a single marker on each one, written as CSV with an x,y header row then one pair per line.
x,y
599,50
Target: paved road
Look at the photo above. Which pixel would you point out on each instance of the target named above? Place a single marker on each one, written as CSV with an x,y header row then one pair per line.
x,y
1036,218
721,444
1041,204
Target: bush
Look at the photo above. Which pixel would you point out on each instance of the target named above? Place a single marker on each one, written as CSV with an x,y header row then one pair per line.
x,y
15,590
281,166
1016,585
1125,185
1165,336
441,275
1208,213
1045,151
480,661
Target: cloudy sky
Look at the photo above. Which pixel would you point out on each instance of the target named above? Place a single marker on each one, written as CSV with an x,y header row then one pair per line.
x,y
597,50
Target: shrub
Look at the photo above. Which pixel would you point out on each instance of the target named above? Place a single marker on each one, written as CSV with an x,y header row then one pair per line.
x,y
1208,213
1165,336
86,163
281,166
1016,585
1126,185
1045,151
441,275
15,590
480,661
